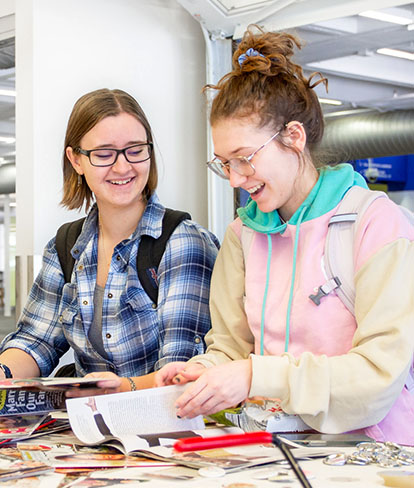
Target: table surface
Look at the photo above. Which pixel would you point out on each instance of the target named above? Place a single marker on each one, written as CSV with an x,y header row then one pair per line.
x,y
319,475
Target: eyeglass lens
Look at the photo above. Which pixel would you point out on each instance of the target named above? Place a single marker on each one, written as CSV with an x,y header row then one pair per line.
x,y
133,154
240,165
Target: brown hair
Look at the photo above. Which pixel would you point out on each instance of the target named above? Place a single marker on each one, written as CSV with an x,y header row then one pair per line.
x,y
270,86
87,112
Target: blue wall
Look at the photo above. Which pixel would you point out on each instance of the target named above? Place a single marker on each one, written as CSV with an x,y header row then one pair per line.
x,y
396,171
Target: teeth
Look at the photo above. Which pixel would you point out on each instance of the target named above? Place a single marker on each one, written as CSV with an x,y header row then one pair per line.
x,y
255,188
118,182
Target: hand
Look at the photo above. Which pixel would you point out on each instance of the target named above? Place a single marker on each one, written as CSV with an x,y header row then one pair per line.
x,y
111,384
191,372
165,376
216,388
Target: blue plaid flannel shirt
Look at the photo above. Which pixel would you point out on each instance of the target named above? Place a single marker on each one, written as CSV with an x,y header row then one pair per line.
x,y
138,336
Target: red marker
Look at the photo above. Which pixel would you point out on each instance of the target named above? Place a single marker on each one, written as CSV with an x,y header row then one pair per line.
x,y
200,444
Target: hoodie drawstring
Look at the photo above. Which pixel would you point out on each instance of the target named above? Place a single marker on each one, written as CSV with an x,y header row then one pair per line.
x,y
262,321
292,284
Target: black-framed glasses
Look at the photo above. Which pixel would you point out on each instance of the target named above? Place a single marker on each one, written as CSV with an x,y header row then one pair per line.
x,y
138,153
242,165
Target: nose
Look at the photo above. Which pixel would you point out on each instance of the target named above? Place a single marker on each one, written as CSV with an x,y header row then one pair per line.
x,y
236,180
121,165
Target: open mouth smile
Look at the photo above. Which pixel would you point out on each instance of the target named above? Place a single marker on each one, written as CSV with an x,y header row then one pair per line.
x,y
255,189
120,182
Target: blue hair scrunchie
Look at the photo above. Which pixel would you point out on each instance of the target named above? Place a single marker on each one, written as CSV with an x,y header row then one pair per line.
x,y
249,53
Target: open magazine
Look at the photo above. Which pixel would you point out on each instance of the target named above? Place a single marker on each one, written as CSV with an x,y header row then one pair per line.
x,y
144,423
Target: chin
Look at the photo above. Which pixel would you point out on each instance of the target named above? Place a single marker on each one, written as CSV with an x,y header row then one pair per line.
x,y
266,207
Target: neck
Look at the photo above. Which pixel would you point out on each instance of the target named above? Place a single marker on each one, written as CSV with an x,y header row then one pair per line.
x,y
119,223
305,183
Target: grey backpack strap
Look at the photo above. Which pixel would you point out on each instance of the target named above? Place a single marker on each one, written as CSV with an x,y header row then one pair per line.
x,y
338,256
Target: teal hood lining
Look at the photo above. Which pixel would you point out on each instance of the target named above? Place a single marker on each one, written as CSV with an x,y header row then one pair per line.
x,y
332,184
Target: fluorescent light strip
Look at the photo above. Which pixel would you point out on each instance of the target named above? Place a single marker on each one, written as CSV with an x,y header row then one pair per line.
x,y
396,53
7,140
330,101
7,93
394,19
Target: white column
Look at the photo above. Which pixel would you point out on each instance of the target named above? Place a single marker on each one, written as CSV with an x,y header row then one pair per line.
x,y
220,193
154,50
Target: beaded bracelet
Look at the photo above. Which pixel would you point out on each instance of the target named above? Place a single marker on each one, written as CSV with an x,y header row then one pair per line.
x,y
132,384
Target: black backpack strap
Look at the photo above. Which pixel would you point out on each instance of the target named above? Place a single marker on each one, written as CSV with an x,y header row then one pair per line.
x,y
151,250
66,237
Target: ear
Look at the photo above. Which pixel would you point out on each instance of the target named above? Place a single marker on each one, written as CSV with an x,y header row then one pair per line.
x,y
296,135
74,159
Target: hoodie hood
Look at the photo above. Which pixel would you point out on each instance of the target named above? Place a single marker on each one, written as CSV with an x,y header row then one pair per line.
x,y
332,184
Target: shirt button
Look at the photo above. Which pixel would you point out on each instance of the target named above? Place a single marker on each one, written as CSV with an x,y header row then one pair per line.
x,y
110,295
60,318
197,339
118,258
80,267
154,305
85,302
76,251
108,336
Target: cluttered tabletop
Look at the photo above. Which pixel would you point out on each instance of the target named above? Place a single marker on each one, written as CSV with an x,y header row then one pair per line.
x,y
129,438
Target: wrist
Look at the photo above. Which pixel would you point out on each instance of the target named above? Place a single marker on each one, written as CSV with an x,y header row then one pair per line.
x,y
128,384
132,385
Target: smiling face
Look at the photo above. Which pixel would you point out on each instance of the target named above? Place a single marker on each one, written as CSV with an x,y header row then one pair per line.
x,y
279,182
122,184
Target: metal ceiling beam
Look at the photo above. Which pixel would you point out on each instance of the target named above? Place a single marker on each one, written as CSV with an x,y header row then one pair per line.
x,y
349,44
311,11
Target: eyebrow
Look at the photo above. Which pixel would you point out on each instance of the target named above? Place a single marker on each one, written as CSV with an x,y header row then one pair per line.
x,y
111,146
236,151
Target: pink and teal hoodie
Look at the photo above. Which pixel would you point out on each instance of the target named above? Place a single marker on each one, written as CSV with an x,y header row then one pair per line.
x,y
339,372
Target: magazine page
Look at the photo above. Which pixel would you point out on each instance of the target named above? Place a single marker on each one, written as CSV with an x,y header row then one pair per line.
x,y
19,426
128,415
229,458
50,383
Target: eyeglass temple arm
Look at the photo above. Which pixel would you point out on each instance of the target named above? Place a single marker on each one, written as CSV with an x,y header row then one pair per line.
x,y
200,444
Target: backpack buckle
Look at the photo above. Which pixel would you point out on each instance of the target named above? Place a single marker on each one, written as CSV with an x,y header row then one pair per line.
x,y
325,289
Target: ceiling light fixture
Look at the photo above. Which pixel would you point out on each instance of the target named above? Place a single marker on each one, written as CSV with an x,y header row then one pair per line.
x,y
7,93
410,27
394,19
7,140
330,101
396,53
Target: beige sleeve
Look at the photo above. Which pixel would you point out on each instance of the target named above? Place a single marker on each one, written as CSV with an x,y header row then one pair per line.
x,y
230,337
357,389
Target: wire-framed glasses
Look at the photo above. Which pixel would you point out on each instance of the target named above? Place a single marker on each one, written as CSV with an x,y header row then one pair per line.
x,y
138,153
242,165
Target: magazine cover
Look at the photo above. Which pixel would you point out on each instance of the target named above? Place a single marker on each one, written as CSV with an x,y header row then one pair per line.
x,y
24,402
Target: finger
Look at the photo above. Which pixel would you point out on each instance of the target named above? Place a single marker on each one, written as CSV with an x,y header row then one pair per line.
x,y
164,378
194,403
180,379
82,392
165,375
190,375
112,383
192,391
